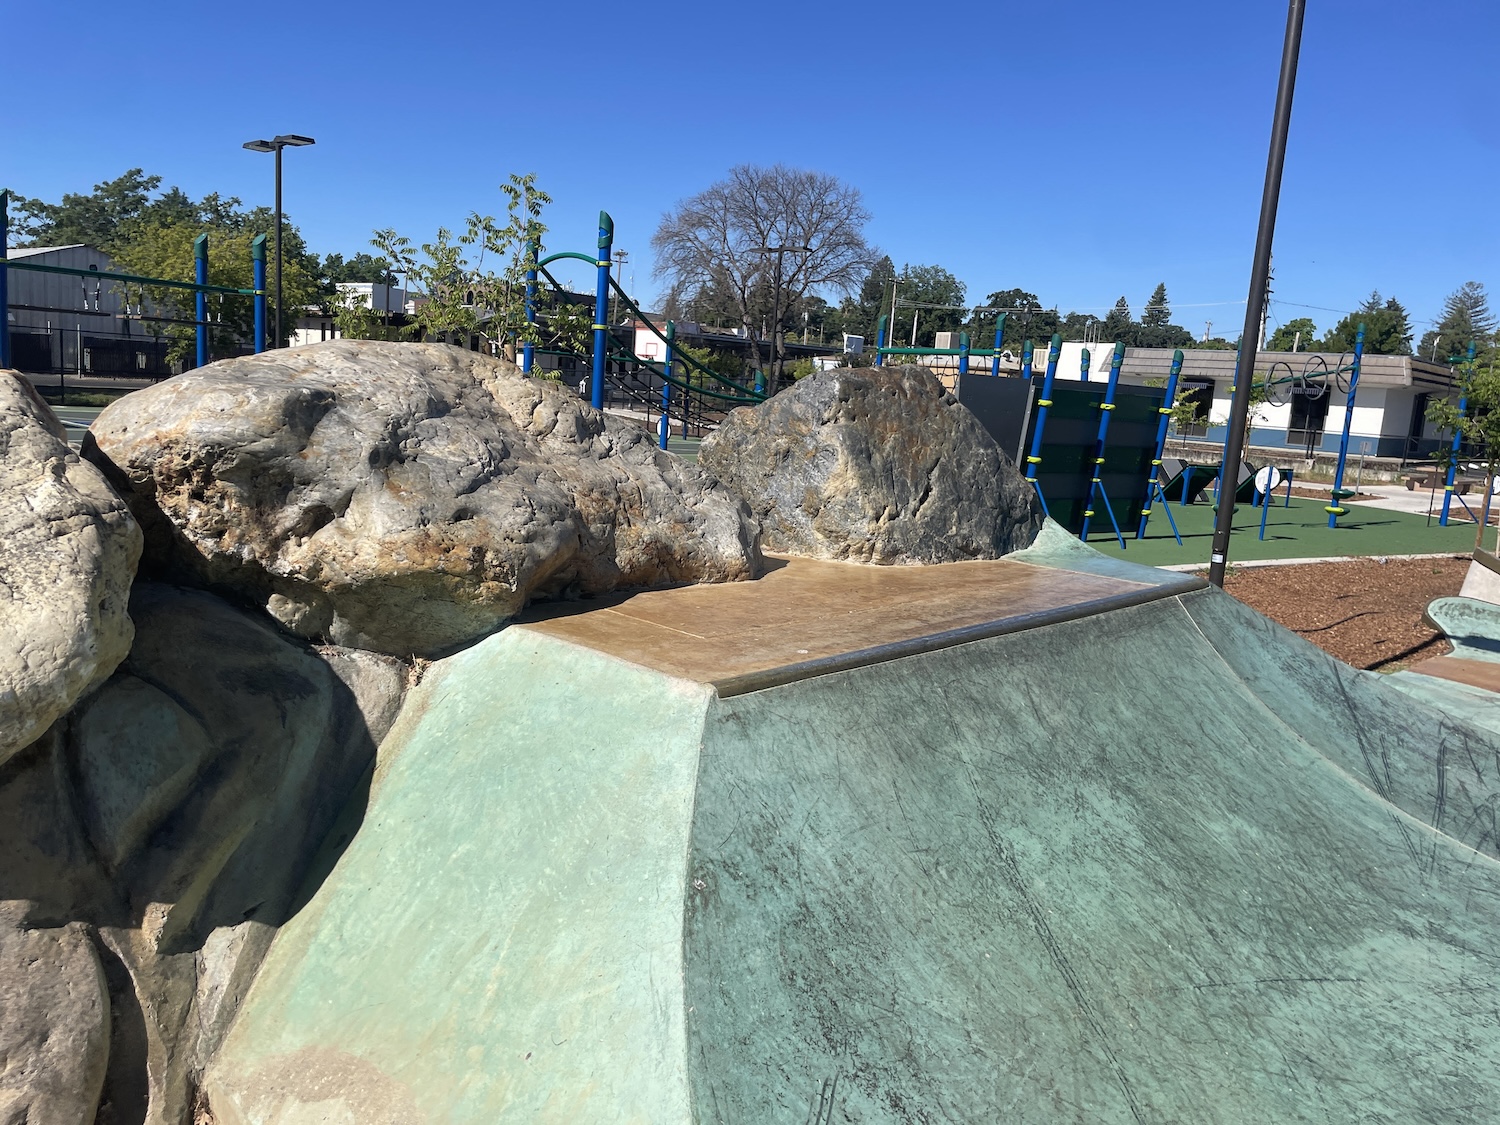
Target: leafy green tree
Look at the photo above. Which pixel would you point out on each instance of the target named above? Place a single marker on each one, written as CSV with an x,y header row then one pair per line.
x,y
1479,425
363,267
935,296
1301,331
1025,319
1466,316
476,281
1387,328
166,251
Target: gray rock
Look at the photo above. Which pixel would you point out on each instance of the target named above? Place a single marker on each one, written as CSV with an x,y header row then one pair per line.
x,y
209,774
54,1024
406,498
873,465
68,552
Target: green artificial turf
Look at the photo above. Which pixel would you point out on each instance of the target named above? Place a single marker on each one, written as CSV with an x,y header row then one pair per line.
x,y
1295,532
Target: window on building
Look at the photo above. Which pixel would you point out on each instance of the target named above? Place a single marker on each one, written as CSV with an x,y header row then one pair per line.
x,y
1308,416
1201,396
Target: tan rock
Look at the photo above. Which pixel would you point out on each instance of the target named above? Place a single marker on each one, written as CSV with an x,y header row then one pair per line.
x,y
406,498
68,553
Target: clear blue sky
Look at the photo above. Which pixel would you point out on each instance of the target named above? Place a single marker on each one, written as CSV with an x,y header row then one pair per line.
x,y
1080,149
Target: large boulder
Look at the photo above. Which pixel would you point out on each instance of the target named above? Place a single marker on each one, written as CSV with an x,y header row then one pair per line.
x,y
68,552
406,498
873,465
174,814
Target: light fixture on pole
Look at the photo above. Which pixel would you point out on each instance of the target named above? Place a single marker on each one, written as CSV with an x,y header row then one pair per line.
x,y
276,144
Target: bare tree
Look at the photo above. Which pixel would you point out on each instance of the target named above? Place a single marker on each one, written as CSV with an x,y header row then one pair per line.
x,y
766,236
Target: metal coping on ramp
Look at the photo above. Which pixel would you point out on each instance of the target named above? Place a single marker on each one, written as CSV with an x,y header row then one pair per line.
x,y
807,617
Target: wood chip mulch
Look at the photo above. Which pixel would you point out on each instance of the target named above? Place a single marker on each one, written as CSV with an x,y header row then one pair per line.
x,y
1366,613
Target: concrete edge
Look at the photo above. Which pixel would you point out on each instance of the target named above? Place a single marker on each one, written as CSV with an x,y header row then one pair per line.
x,y
880,654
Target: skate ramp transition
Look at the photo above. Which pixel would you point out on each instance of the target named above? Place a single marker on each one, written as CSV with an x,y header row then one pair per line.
x,y
1071,841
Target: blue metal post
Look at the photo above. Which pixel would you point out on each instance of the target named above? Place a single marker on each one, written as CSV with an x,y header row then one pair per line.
x,y
963,353
200,275
1096,484
1458,439
1035,457
601,308
533,251
258,267
880,342
4,280
1083,366
1336,509
999,335
1054,350
1164,420
1026,360
665,427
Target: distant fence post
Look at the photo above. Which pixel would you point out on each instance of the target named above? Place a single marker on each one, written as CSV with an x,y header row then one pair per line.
x,y
601,308
200,275
880,341
258,265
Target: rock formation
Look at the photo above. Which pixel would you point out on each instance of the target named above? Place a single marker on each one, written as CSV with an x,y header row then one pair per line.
x,y
68,552
406,498
873,465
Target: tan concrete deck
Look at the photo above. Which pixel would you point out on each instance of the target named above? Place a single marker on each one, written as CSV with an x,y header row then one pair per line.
x,y
806,617
1483,674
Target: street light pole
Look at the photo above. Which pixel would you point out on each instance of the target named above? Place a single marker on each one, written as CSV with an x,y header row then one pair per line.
x,y
1260,272
275,145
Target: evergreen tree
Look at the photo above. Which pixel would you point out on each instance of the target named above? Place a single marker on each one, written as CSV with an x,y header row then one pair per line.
x,y
1157,313
1119,324
859,315
1466,316
1387,328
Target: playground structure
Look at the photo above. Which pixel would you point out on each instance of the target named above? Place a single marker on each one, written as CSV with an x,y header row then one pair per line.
x,y
692,396
199,286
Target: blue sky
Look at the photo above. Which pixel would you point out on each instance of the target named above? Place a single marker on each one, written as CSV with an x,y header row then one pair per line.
x,y
1080,149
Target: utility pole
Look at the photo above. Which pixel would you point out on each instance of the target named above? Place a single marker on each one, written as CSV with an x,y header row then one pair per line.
x,y
1260,279
1208,328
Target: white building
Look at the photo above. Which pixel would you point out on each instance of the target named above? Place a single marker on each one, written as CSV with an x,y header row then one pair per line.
x,y
313,326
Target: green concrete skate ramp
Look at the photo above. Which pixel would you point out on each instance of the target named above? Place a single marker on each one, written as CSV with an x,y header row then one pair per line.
x,y
1040,876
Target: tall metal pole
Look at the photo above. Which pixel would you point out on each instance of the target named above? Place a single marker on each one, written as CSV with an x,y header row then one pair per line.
x,y
601,308
1458,437
1244,374
280,339
4,280
200,274
533,252
258,269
